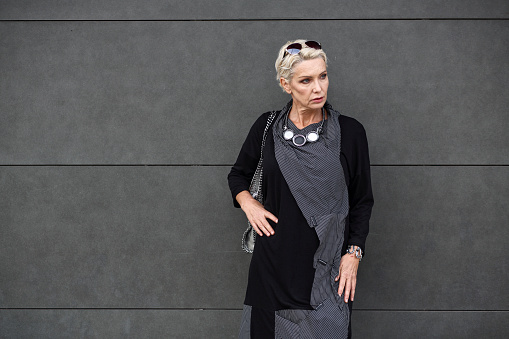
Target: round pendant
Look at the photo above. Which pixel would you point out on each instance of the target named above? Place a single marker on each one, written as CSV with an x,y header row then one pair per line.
x,y
299,140
288,134
312,136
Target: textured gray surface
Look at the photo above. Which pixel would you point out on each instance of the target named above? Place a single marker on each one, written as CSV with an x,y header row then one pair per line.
x,y
119,237
450,325
428,92
168,237
437,239
224,324
174,324
164,240
245,9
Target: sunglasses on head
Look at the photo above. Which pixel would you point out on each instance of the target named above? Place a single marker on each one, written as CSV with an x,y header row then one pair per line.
x,y
295,48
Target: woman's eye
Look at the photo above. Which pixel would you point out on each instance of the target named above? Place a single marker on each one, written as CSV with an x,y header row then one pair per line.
x,y
305,81
324,76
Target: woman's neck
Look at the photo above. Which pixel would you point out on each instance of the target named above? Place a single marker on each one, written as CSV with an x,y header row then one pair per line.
x,y
302,117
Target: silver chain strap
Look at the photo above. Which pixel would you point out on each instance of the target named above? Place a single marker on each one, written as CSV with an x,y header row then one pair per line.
x,y
255,188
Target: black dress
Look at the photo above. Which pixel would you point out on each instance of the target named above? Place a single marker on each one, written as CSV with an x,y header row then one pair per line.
x,y
281,272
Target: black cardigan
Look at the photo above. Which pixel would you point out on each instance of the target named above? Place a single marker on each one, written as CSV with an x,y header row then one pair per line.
x,y
354,160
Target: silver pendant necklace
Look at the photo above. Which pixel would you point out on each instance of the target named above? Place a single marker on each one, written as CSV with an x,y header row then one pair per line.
x,y
300,139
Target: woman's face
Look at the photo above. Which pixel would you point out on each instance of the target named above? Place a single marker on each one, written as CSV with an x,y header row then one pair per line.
x,y
309,84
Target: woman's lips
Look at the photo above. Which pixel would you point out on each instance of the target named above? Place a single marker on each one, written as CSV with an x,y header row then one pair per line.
x,y
320,99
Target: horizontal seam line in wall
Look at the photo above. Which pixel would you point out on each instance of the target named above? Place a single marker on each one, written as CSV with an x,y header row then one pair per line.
x,y
122,308
222,309
439,165
229,165
423,310
251,20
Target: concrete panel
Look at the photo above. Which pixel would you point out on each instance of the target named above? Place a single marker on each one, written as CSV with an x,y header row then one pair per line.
x,y
451,325
119,237
213,324
244,9
169,237
437,240
428,92
151,323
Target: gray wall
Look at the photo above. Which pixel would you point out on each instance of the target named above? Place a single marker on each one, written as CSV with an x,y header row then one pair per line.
x,y
119,121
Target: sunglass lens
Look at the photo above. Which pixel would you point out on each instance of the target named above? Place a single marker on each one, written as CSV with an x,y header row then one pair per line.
x,y
293,49
313,44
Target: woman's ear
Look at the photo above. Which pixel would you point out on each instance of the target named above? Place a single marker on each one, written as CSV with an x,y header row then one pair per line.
x,y
286,85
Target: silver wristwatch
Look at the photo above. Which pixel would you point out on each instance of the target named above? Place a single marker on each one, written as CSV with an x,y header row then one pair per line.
x,y
357,251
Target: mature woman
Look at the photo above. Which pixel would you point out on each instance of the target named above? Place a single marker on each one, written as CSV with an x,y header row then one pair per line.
x,y
314,220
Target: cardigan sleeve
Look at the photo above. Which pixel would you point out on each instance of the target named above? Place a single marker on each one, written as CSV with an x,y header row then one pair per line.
x,y
244,168
359,188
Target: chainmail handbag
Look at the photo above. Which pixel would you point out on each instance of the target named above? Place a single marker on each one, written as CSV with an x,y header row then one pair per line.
x,y
255,188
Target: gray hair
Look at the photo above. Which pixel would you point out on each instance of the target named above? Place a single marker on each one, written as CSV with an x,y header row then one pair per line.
x,y
284,65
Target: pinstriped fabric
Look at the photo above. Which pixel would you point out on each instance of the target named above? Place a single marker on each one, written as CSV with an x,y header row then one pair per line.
x,y
327,321
294,315
285,328
245,323
316,179
327,259
313,172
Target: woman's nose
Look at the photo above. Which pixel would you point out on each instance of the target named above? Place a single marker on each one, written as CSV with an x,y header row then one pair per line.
x,y
317,87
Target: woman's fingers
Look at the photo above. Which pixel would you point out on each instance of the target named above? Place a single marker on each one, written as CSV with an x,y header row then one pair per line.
x,y
348,286
342,283
260,223
269,230
256,214
271,216
262,229
257,230
352,290
266,228
347,276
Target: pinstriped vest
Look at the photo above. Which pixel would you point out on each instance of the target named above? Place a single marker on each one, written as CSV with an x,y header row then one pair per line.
x,y
316,179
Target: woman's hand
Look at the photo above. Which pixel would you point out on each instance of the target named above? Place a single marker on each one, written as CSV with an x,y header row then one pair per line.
x,y
256,213
348,275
